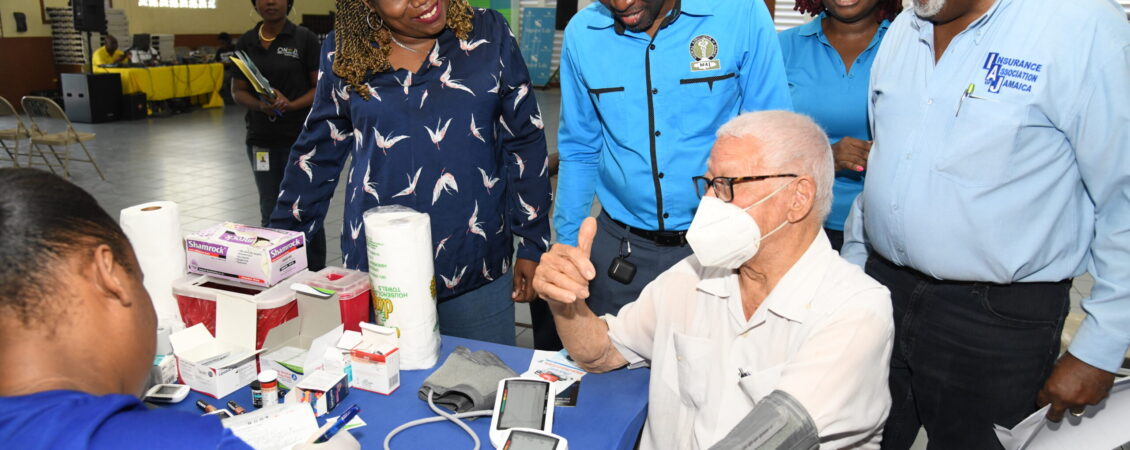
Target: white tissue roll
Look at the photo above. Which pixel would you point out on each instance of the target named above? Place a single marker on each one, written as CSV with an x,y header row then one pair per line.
x,y
154,231
399,244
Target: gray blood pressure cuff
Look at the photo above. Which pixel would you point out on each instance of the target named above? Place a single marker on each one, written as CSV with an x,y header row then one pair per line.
x,y
778,421
467,381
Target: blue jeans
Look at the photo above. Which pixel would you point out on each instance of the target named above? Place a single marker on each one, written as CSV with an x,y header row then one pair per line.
x,y
484,314
967,355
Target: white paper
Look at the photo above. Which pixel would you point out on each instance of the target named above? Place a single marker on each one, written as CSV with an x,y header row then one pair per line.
x,y
275,428
402,274
1102,426
154,233
554,367
355,423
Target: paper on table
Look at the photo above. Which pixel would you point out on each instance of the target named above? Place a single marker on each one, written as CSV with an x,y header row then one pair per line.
x,y
554,367
1102,426
355,423
275,428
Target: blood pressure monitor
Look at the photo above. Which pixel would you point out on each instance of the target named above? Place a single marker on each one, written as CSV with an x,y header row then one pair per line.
x,y
523,403
527,439
167,393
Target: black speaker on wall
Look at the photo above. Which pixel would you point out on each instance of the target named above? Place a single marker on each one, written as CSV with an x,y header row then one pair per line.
x,y
90,15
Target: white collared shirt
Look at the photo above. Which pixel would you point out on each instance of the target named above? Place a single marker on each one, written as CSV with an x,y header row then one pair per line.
x,y
823,335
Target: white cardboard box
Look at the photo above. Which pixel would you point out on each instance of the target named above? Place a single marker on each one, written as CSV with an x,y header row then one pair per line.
x,y
322,389
253,255
299,345
376,361
218,366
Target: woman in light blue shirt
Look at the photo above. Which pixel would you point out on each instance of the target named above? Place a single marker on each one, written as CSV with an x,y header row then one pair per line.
x,y
828,63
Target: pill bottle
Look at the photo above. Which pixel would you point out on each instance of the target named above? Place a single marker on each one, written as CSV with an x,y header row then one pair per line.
x,y
269,387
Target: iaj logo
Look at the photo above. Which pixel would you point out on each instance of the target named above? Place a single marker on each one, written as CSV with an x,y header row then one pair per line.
x,y
704,49
1012,73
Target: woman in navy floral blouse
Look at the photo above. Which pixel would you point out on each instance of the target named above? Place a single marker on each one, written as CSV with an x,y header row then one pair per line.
x,y
432,100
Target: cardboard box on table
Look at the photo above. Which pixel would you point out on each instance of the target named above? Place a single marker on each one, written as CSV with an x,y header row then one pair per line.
x,y
217,366
253,255
299,345
322,389
376,360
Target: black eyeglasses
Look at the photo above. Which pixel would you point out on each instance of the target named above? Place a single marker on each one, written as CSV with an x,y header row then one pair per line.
x,y
724,186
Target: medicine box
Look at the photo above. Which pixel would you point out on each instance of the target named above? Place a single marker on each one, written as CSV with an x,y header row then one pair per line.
x,y
287,347
252,255
214,366
196,299
376,361
323,390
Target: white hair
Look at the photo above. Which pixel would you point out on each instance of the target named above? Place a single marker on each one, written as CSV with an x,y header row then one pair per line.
x,y
790,142
928,8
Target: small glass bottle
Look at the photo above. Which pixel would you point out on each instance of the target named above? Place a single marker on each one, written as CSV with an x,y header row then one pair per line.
x,y
269,387
256,395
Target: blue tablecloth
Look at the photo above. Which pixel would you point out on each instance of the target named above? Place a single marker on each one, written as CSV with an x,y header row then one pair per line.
x,y
611,408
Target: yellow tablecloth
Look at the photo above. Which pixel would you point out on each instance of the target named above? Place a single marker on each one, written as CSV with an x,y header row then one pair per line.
x,y
165,82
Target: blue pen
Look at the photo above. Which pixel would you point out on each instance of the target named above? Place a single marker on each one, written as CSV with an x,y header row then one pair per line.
x,y
339,424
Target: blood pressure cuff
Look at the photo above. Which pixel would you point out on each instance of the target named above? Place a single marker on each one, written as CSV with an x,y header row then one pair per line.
x,y
778,421
467,381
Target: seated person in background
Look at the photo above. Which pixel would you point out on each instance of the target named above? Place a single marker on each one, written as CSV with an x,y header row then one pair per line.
x,y
79,331
108,53
773,324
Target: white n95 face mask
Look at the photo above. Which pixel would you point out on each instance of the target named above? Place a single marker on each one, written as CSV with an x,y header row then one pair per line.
x,y
723,235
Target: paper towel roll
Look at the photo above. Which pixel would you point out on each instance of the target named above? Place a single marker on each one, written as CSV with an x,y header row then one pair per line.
x,y
399,243
154,231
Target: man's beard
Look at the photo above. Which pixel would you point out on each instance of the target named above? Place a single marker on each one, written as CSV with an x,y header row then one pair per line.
x,y
927,9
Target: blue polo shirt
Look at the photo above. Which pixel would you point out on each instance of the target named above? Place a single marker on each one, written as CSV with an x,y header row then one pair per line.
x,y
1007,160
61,420
834,97
638,115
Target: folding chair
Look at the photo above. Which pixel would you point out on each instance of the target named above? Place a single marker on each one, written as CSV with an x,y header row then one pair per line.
x,y
52,117
14,135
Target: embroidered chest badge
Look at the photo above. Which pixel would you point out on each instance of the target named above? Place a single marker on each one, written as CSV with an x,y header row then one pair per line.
x,y
704,50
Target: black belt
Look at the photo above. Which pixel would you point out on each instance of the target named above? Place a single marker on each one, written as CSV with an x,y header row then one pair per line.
x,y
661,238
929,279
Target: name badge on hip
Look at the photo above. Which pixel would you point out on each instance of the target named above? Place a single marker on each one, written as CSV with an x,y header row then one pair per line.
x,y
262,159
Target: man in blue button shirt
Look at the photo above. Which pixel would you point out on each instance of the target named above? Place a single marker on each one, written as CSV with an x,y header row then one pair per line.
x,y
644,86
1000,171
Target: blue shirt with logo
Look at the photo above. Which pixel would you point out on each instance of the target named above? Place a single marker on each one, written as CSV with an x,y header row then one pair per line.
x,y
833,96
638,115
1007,160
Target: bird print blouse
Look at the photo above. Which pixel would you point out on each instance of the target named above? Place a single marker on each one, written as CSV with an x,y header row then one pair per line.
x,y
460,139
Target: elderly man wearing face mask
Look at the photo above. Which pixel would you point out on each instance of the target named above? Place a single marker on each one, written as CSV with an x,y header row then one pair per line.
x,y
773,324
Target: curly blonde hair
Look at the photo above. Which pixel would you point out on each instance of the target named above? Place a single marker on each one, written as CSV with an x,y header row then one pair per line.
x,y
356,57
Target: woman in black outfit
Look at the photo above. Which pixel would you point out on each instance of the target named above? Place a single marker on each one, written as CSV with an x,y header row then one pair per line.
x,y
287,55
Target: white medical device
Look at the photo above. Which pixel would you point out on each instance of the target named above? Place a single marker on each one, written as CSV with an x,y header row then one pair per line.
x,y
522,403
527,439
167,393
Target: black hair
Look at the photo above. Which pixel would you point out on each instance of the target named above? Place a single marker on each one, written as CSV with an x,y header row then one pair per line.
x,y
224,36
44,220
289,5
